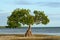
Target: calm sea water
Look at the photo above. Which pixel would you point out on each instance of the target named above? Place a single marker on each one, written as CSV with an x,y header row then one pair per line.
x,y
35,30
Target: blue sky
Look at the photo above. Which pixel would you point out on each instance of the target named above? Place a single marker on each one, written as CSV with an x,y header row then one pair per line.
x,y
50,7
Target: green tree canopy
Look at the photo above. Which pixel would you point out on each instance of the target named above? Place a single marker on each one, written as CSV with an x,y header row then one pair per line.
x,y
23,16
40,17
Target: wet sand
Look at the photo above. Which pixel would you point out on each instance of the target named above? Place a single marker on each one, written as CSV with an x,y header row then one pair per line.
x,y
34,37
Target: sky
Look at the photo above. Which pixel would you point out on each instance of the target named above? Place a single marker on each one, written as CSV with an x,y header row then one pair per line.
x,y
50,7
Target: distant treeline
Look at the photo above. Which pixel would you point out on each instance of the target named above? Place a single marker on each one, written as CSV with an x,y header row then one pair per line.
x,y
2,26
8,27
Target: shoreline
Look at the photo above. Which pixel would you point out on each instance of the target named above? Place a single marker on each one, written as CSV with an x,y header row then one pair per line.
x,y
34,37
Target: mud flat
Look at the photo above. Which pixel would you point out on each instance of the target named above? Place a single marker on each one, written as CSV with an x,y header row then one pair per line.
x,y
34,37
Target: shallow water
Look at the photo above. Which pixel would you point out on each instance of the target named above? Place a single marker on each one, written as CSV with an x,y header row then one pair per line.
x,y
35,30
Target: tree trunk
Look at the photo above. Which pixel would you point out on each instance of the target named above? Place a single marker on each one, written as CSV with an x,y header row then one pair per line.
x,y
28,32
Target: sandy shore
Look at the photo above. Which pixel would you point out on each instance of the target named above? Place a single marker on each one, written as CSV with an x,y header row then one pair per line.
x,y
34,37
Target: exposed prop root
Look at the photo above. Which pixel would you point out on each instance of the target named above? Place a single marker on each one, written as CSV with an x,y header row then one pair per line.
x,y
28,33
